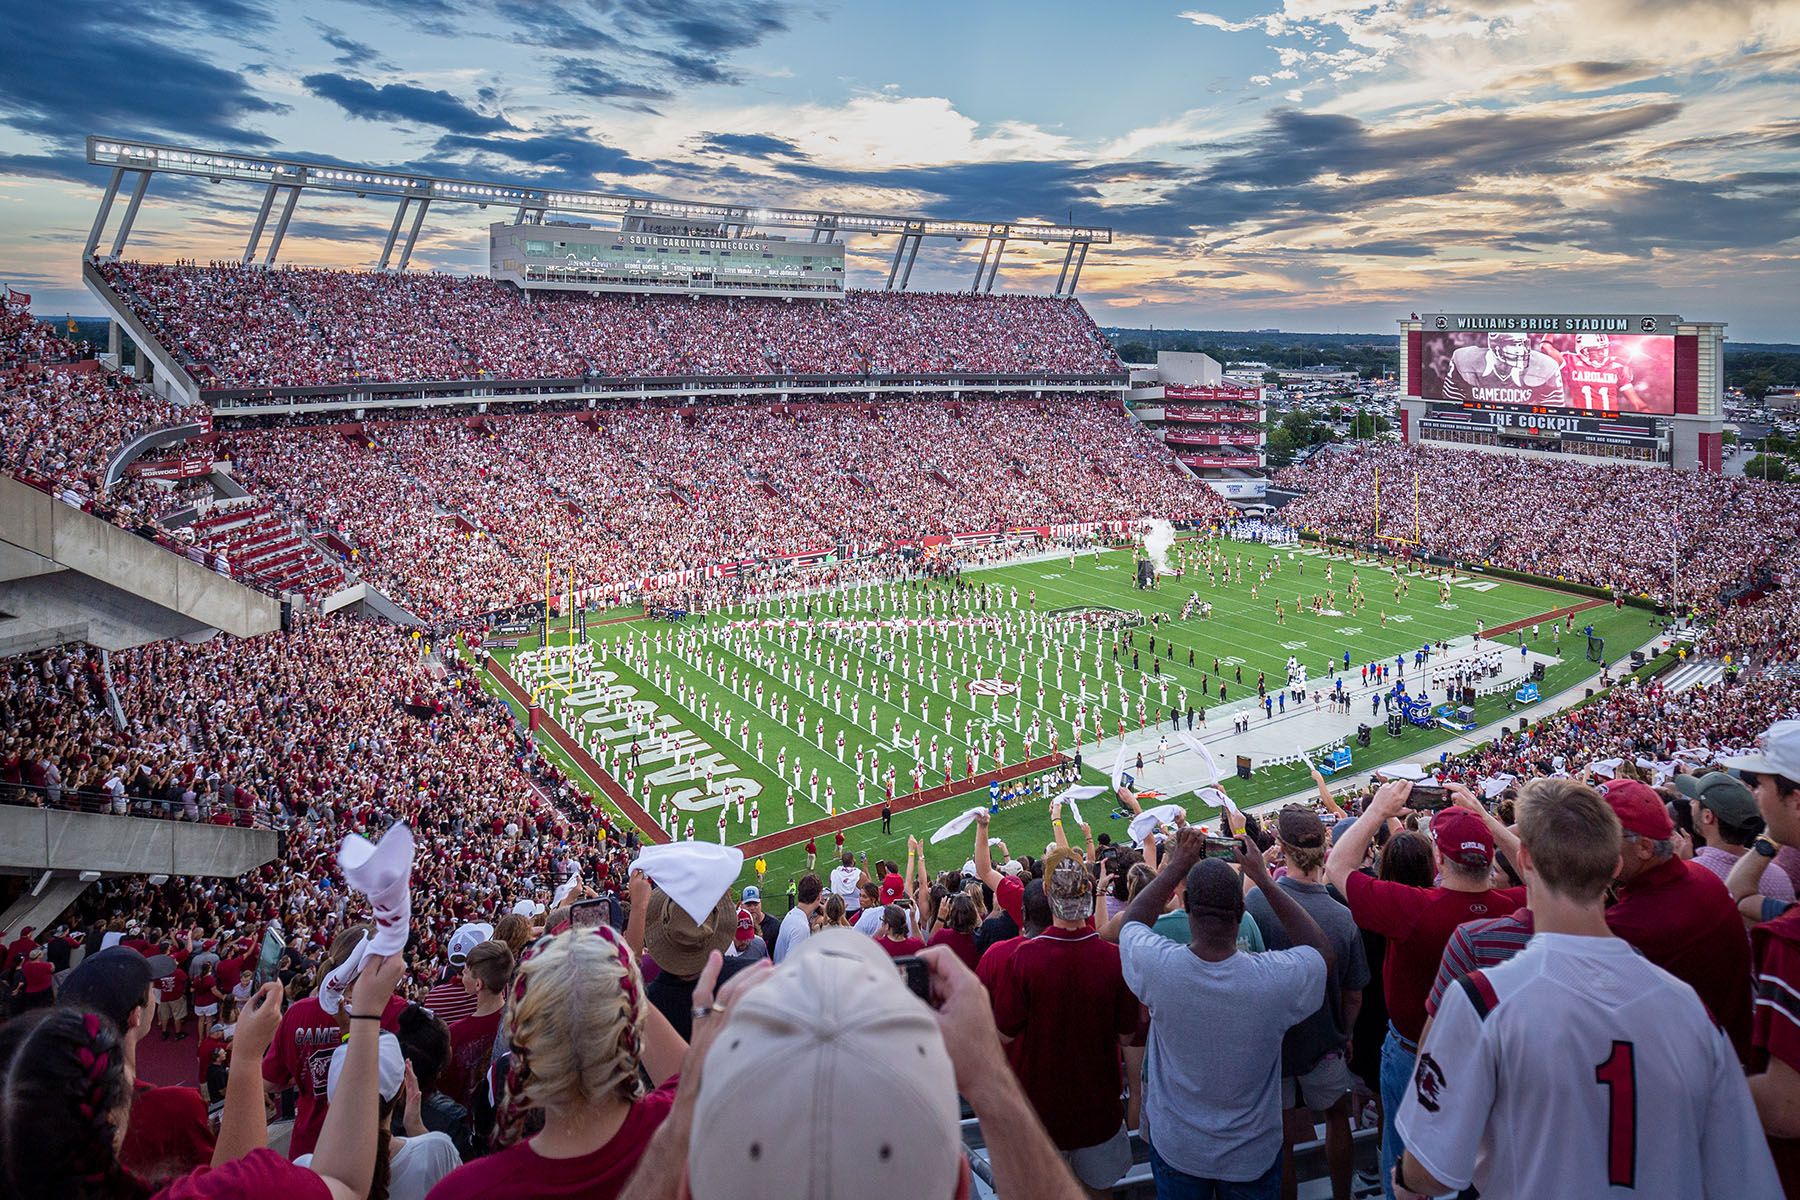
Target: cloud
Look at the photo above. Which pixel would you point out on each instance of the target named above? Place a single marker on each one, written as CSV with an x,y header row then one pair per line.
x,y
351,53
401,102
708,27
571,158
584,77
66,70
749,145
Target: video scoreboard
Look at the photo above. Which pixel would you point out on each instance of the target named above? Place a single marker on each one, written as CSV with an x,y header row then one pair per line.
x,y
703,261
1640,387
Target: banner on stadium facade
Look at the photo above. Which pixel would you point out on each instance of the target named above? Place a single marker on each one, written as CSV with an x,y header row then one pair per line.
x,y
187,466
1173,391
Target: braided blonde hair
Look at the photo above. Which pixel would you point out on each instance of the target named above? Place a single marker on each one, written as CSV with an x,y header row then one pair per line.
x,y
574,1019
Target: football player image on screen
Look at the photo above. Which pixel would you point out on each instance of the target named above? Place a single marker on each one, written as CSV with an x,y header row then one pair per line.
x,y
1504,371
1594,379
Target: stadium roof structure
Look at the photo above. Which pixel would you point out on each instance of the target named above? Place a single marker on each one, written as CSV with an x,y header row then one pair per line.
x,y
284,179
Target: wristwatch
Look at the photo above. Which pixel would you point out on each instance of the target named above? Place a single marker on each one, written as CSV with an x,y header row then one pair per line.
x,y
1765,846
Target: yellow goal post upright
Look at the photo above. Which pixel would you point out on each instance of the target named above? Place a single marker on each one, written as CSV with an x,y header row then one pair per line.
x,y
1390,537
566,684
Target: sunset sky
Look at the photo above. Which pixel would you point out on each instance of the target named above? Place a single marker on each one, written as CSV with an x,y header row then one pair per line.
x,y
1315,165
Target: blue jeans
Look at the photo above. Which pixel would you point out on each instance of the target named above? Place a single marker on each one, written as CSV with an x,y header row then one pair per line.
x,y
1396,1071
1172,1184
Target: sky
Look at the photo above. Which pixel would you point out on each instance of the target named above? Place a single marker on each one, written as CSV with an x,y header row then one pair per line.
x,y
1302,164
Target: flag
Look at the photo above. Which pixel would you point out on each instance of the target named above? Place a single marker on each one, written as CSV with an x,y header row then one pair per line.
x,y
15,296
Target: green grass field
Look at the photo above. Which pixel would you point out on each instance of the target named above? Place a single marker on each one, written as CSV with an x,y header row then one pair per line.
x,y
1242,633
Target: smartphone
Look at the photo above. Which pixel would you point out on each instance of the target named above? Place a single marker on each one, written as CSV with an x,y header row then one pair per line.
x,y
917,974
1427,797
601,910
1223,847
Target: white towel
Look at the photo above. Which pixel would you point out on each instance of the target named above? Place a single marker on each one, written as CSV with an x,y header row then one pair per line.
x,y
382,872
693,874
1145,823
336,987
957,824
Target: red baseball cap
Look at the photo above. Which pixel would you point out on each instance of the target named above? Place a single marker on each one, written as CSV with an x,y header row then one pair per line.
x,y
1641,810
1010,896
891,887
1463,837
746,926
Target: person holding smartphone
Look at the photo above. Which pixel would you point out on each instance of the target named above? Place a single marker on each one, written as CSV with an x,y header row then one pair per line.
x,y
1418,922
1212,1096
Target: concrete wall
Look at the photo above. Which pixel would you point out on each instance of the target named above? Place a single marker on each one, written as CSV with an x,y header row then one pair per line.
x,y
63,566
1186,367
39,839
168,378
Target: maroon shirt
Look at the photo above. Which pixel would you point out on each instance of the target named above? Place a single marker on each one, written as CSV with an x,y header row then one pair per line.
x,y
1061,997
1678,915
962,943
168,1135
521,1173
262,1172
471,1045
1417,923
901,948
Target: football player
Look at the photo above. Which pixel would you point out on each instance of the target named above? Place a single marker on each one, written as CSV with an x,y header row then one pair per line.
x,y
1504,371
1594,379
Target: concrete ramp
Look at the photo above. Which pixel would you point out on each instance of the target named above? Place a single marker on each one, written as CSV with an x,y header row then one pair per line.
x,y
45,839
68,576
67,851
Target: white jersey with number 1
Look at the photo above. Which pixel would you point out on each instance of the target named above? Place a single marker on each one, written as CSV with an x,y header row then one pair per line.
x,y
1577,1068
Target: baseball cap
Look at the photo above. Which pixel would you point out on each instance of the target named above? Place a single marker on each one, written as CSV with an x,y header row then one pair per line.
x,y
1300,827
114,982
390,1067
752,895
1462,837
1641,811
834,1011
1780,754
466,938
746,925
1068,886
1724,794
677,942
891,887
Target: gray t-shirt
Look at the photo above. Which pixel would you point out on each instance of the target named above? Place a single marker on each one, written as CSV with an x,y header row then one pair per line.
x,y
1323,1031
796,927
1212,1100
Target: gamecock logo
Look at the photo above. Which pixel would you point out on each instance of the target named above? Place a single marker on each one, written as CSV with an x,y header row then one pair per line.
x,y
992,687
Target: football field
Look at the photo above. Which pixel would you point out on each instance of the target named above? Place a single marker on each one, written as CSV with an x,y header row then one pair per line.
x,y
816,706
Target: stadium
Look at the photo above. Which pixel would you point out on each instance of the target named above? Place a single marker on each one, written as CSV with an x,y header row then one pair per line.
x,y
672,581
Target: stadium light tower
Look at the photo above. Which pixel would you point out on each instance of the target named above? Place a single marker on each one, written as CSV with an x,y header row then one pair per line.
x,y
284,179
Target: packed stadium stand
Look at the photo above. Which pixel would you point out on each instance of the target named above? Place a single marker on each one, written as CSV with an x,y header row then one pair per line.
x,y
240,327
340,726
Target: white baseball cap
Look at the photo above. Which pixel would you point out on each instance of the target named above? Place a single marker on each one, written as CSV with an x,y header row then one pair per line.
x,y
466,938
773,1094
1780,753
390,1067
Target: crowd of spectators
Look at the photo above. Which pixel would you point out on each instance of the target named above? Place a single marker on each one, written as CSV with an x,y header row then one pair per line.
x,y
1680,537
454,517
244,327
1461,973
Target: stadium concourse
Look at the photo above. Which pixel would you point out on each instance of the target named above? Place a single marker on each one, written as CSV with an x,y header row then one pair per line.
x,y
504,1038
